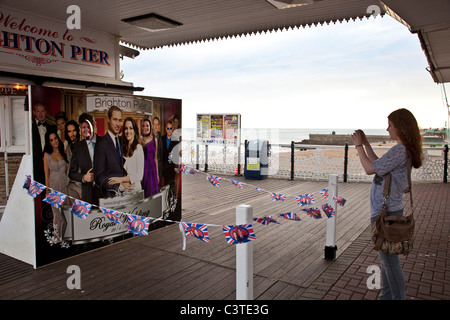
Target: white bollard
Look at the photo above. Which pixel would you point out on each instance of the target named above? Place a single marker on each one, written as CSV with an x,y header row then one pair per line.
x,y
244,257
330,243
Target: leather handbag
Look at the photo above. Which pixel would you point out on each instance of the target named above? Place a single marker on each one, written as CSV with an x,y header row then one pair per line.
x,y
394,234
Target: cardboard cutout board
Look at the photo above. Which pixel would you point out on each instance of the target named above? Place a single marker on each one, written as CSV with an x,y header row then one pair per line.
x,y
149,186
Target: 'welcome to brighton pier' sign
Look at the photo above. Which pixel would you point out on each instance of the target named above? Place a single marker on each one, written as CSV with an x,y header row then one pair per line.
x,y
49,46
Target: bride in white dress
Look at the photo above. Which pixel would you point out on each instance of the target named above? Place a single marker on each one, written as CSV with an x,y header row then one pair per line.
x,y
133,154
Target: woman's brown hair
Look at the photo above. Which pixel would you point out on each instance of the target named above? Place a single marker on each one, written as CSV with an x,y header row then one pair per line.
x,y
409,134
129,150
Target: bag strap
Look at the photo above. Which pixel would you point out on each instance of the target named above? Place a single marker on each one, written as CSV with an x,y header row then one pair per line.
x,y
409,188
387,185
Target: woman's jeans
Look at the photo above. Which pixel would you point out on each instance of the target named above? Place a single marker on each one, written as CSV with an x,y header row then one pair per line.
x,y
392,278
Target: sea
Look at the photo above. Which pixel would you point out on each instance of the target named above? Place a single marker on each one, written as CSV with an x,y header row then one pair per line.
x,y
285,135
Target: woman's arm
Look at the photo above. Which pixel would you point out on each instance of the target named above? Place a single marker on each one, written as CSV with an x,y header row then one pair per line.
x,y
366,156
116,180
156,158
365,160
369,151
46,170
140,163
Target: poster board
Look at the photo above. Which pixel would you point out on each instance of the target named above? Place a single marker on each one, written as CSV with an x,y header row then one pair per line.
x,y
45,47
77,234
221,129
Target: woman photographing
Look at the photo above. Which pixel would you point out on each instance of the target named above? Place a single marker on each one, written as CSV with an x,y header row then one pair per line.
x,y
403,128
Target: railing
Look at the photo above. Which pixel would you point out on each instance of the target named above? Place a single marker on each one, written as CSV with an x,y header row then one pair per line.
x,y
309,162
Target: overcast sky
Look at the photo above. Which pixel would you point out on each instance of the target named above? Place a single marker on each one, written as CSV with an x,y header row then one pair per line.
x,y
344,75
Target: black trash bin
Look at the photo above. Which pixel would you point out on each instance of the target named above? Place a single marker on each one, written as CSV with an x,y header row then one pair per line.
x,y
256,159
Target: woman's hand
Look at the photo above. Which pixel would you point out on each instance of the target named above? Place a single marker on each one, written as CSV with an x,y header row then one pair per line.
x,y
359,137
115,180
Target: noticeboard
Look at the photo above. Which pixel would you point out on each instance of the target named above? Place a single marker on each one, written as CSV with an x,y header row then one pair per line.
x,y
222,129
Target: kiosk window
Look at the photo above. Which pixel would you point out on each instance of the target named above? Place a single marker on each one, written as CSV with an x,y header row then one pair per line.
x,y
12,124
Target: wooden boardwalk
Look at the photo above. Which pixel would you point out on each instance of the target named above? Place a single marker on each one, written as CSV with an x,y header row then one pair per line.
x,y
288,257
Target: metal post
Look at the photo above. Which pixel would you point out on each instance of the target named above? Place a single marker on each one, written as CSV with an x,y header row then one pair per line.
x,y
239,159
244,257
206,158
346,162
445,163
330,244
197,156
292,160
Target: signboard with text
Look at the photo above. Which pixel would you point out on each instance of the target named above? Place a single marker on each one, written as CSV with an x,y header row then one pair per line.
x,y
48,47
219,129
102,102
96,226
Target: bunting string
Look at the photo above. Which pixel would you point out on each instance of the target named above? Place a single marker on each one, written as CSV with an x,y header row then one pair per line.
x,y
234,234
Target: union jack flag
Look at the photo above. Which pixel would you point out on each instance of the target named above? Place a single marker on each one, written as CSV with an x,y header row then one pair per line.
x,y
184,169
324,193
277,197
215,180
193,171
339,200
305,199
138,224
112,215
290,216
313,212
239,233
197,230
259,190
81,209
237,183
55,198
27,182
35,189
266,220
329,211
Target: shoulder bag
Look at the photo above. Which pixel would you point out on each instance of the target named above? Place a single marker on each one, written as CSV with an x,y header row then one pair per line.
x,y
394,234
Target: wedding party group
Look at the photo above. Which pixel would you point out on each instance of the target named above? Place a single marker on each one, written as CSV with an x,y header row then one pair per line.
x,y
71,158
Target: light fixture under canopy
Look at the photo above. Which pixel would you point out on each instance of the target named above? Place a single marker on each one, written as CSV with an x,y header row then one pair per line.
x,y
152,22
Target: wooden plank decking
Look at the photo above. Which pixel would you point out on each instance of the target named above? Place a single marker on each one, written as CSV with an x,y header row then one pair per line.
x,y
287,256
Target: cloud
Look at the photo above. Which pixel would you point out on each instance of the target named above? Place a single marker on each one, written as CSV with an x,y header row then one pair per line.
x,y
335,76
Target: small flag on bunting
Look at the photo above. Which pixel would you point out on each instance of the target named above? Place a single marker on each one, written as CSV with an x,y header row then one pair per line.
x,y
305,199
55,198
35,189
339,200
197,230
329,211
277,196
193,171
112,215
259,190
81,209
266,220
184,169
215,180
313,212
239,233
237,183
290,216
324,193
27,182
138,224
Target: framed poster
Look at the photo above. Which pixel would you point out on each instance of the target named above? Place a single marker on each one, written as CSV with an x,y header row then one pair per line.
x,y
222,129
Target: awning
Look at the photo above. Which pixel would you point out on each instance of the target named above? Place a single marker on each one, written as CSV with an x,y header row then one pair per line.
x,y
155,24
11,77
430,20
187,21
